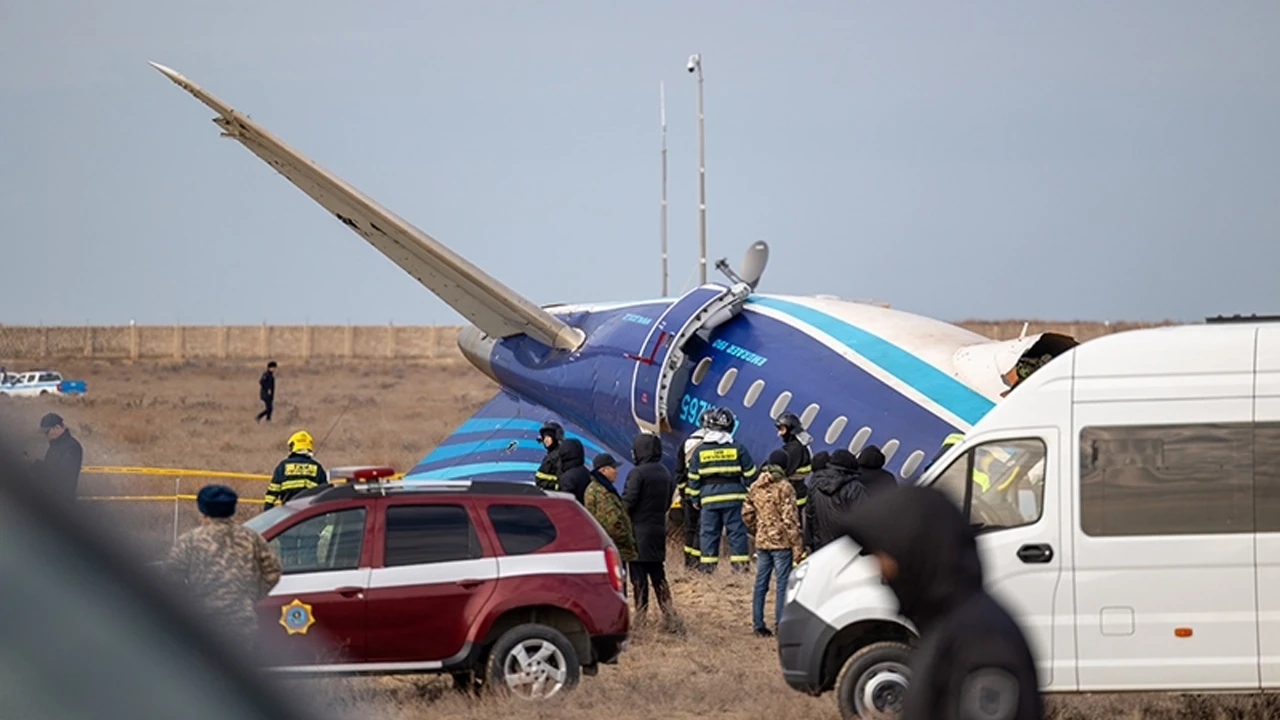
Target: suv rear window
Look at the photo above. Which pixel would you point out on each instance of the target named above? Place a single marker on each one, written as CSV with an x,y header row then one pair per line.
x,y
418,534
521,529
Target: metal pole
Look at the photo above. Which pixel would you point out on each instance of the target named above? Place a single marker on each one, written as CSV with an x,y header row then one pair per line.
x,y
662,104
696,65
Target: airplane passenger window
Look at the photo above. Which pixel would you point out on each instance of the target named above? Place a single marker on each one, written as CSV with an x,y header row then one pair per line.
x,y
726,382
700,371
780,404
859,439
912,464
806,417
753,393
837,427
890,449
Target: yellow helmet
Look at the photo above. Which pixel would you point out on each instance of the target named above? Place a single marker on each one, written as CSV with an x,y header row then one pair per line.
x,y
300,441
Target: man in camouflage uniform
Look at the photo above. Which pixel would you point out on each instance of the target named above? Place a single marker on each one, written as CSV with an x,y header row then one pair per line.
x,y
225,566
770,514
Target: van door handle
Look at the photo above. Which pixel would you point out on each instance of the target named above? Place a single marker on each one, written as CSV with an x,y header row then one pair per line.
x,y
469,583
1035,553
349,591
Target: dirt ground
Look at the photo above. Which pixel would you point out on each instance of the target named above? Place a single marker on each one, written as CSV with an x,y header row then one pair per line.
x,y
200,416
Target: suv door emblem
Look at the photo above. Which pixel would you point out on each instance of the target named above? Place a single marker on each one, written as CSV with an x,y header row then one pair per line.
x,y
296,617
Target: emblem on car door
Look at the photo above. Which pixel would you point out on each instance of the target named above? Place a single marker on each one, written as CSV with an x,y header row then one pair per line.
x,y
296,617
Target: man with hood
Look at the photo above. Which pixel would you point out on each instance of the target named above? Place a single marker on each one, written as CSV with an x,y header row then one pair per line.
x,y
647,494
770,514
602,500
573,476
872,474
550,435
973,661
836,490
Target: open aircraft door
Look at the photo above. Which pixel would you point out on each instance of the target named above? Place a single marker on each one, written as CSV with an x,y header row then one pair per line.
x,y
661,369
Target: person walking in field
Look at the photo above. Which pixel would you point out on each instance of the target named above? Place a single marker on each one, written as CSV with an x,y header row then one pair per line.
x,y
267,392
770,514
224,565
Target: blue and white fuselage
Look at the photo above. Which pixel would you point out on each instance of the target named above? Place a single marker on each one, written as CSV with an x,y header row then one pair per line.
x,y
855,373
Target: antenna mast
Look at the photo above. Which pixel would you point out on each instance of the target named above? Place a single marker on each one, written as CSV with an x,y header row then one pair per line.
x,y
662,109
695,65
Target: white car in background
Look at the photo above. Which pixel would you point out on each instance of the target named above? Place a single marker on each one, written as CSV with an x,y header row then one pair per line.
x,y
34,383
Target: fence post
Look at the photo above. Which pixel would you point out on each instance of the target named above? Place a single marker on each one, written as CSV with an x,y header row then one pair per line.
x,y
306,342
133,341
391,340
177,485
88,341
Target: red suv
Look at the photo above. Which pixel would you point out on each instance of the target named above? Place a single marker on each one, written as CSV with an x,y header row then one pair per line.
x,y
499,584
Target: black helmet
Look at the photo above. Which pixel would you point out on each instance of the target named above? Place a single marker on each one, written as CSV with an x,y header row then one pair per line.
x,y
790,421
718,418
552,428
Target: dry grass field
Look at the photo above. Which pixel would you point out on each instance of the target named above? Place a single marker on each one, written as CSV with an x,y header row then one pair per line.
x,y
201,416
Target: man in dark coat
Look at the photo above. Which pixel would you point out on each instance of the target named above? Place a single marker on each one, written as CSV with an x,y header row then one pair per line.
x,y
60,468
647,494
871,472
835,491
267,392
574,476
973,660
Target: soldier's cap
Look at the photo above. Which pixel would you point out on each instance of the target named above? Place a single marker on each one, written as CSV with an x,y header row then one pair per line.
x,y
217,501
50,420
602,461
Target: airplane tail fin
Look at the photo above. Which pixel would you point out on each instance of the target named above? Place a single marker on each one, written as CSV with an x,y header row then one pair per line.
x,y
488,304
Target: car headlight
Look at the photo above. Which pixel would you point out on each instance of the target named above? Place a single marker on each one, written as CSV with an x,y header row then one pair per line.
x,y
793,581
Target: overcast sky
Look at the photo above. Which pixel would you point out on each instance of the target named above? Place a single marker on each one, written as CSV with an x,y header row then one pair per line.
x,y
1091,160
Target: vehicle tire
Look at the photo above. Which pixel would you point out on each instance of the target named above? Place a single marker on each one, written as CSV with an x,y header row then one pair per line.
x,y
874,682
533,662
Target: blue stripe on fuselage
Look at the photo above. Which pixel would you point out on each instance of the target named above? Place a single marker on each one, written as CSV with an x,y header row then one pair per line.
x,y
946,391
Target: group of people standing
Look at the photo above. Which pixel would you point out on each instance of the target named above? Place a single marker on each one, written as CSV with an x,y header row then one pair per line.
x,y
791,504
634,517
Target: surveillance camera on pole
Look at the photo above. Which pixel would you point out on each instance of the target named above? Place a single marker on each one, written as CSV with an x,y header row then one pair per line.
x,y
695,65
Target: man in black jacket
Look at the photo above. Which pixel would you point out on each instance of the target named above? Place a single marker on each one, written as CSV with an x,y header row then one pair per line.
x,y
267,392
550,435
574,476
62,461
973,661
871,472
647,494
835,491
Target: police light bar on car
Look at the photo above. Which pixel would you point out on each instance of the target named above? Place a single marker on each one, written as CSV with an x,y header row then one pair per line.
x,y
361,473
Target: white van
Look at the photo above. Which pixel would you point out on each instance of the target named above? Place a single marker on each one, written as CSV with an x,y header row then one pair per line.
x,y
1128,498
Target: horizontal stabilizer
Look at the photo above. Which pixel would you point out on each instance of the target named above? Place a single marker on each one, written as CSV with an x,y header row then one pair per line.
x,y
485,302
500,442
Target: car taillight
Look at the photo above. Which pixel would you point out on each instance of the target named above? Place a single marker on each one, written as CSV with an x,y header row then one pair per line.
x,y
614,563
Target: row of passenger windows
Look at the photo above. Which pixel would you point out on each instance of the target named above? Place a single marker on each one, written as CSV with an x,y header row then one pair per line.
x,y
1135,480
780,403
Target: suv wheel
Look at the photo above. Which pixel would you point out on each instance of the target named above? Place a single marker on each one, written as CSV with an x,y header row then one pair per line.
x,y
874,682
533,662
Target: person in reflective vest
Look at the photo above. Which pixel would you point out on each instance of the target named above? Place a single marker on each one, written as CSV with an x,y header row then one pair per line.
x,y
296,473
799,460
719,472
692,517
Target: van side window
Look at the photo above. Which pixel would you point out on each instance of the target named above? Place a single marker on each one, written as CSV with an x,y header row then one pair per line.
x,y
1167,479
1008,482
1266,475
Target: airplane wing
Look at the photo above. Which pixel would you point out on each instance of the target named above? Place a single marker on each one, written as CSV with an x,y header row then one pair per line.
x,y
485,302
500,442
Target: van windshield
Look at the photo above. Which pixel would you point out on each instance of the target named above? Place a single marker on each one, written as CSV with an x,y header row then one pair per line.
x,y
1007,477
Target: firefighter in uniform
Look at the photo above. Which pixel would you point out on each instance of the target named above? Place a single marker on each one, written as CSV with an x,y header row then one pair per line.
x,y
719,472
692,517
547,476
799,460
296,473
